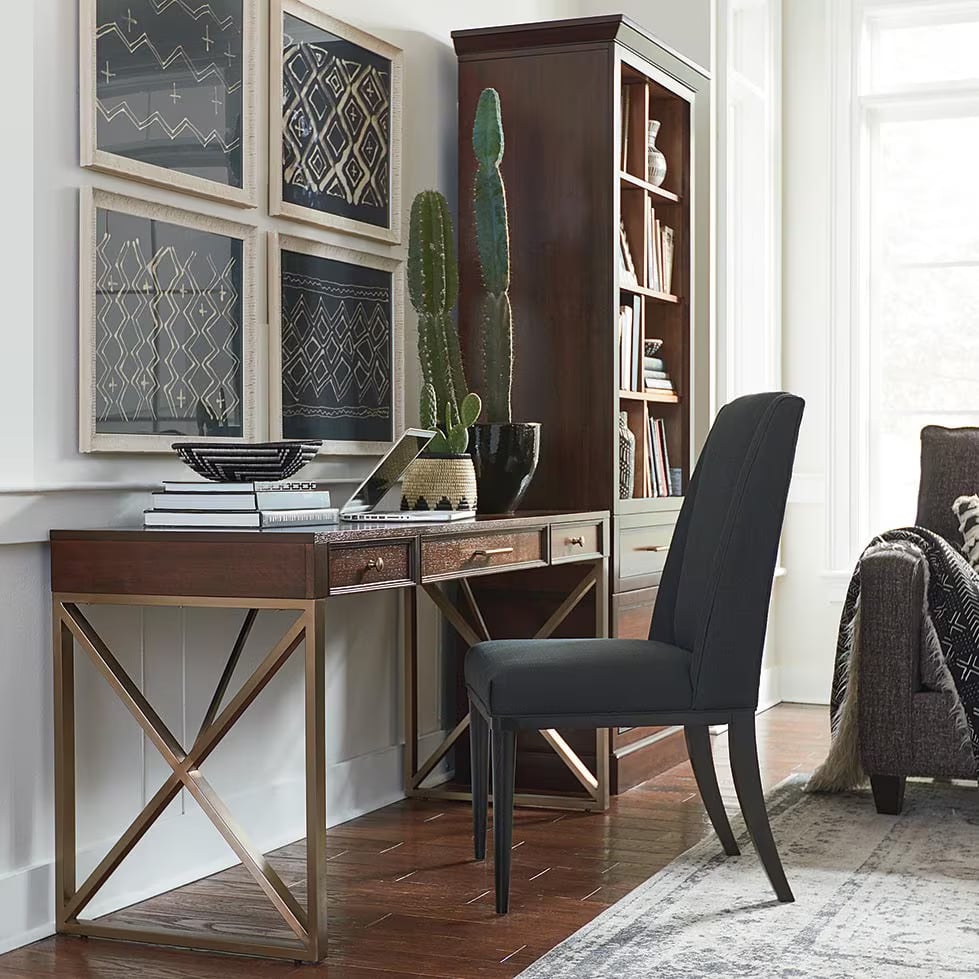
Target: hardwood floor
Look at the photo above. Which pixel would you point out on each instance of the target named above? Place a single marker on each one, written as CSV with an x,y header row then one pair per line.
x,y
406,898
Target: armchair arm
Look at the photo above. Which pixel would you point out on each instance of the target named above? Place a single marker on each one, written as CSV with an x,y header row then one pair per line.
x,y
892,595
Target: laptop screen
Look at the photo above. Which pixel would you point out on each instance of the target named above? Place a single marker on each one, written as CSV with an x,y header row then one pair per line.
x,y
388,471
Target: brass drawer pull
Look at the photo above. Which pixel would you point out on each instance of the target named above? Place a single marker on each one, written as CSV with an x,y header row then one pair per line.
x,y
575,542
490,551
375,564
654,547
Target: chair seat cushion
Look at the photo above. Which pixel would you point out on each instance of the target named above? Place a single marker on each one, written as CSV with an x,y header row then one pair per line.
x,y
527,677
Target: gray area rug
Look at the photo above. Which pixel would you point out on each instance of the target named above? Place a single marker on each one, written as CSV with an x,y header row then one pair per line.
x,y
894,897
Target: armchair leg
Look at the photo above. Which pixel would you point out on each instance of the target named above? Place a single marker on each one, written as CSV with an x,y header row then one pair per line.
x,y
504,773
479,750
702,761
747,782
888,793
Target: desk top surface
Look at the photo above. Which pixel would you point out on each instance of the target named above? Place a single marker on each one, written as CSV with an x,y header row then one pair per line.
x,y
342,533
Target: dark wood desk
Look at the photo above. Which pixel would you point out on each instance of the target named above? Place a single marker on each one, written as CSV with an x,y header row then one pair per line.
x,y
289,569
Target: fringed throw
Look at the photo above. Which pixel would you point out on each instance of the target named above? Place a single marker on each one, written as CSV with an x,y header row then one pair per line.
x,y
950,637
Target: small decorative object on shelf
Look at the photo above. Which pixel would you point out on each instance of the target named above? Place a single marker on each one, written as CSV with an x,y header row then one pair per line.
x,y
627,457
656,162
439,482
505,453
444,477
256,462
676,482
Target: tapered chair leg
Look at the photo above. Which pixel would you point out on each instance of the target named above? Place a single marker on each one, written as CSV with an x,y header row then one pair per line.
x,y
479,749
504,772
702,761
747,782
888,793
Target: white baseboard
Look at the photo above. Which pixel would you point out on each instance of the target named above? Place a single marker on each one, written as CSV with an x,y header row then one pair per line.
x,y
181,848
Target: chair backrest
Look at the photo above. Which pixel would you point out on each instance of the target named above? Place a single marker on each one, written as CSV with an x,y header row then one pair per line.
x,y
949,469
717,582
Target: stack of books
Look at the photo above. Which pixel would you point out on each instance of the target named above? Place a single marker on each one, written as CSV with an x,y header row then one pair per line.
x,y
630,343
655,375
659,254
241,505
659,459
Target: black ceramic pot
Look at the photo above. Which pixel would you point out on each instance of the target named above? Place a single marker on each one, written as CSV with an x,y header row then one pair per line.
x,y
505,457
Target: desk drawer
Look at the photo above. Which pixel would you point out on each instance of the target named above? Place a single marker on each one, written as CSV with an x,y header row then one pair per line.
x,y
481,552
643,550
369,565
574,541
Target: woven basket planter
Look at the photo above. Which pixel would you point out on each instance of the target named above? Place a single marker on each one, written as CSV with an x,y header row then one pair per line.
x,y
440,482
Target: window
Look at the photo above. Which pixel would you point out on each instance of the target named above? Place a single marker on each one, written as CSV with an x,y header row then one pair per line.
x,y
918,118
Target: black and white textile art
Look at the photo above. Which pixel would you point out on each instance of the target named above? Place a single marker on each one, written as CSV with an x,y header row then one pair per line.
x,y
169,329
336,125
169,84
337,350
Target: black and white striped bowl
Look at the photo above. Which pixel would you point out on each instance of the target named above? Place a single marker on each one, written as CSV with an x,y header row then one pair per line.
x,y
224,462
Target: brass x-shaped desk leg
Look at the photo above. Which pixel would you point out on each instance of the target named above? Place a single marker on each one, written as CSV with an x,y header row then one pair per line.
x,y
307,924
475,631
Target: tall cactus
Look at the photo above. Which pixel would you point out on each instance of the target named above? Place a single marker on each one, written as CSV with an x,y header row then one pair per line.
x,y
493,241
433,285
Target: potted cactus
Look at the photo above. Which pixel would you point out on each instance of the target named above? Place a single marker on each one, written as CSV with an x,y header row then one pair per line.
x,y
505,452
443,478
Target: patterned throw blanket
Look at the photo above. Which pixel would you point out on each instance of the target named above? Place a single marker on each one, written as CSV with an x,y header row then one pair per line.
x,y
950,634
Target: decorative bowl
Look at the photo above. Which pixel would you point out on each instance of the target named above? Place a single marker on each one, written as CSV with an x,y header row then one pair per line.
x,y
225,462
652,347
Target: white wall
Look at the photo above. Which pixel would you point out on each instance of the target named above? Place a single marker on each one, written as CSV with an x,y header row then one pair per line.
x,y
176,655
808,603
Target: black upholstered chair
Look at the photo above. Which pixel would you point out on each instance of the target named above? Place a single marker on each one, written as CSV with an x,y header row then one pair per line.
x,y
702,662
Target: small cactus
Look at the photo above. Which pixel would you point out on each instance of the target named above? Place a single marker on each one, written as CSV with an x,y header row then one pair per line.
x,y
433,286
493,241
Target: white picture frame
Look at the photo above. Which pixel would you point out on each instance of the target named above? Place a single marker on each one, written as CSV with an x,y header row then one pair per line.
x,y
93,157
314,12
279,243
92,200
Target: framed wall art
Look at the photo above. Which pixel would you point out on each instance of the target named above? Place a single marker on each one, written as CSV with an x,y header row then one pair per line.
x,y
336,346
168,93
166,326
335,123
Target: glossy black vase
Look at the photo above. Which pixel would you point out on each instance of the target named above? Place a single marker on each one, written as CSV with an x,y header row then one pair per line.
x,y
505,457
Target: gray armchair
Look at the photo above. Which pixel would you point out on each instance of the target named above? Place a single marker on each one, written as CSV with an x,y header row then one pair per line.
x,y
905,719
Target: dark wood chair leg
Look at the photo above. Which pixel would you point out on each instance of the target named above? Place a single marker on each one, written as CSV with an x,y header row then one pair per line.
x,y
702,761
504,772
888,793
479,749
747,781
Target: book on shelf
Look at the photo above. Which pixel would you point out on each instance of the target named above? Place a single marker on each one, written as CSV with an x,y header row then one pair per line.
x,y
659,254
241,519
653,364
630,341
627,267
650,374
659,384
659,460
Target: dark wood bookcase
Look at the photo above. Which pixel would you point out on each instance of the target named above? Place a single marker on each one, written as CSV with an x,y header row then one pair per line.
x,y
576,169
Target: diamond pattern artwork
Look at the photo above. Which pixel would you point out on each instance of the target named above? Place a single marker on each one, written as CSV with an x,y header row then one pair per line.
x,y
337,380
169,84
168,329
336,125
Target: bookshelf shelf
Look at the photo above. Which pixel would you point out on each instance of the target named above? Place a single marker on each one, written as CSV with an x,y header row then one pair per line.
x,y
663,196
658,397
662,297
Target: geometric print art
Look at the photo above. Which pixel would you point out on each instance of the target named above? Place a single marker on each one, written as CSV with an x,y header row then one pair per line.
x,y
168,329
336,125
169,77
337,340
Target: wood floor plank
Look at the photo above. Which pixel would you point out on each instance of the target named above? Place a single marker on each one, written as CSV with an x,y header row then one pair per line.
x,y
406,900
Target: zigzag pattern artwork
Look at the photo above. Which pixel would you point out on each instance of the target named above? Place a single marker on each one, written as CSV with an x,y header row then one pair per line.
x,y
336,120
336,350
169,77
168,329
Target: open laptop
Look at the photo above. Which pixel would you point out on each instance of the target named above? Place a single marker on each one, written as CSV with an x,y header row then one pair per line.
x,y
367,496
